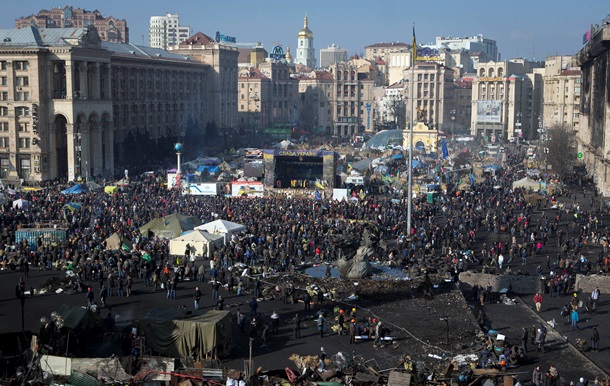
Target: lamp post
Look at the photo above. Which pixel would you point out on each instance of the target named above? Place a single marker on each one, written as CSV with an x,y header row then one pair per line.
x,y
452,112
518,125
178,147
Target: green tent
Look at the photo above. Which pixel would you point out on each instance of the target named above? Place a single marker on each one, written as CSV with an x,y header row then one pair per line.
x,y
80,320
171,226
174,333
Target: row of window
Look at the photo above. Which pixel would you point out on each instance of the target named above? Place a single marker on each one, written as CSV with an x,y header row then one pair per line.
x,y
23,143
17,65
20,81
20,111
23,127
19,96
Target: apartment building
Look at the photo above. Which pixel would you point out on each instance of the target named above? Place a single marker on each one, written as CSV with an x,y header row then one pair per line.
x,y
166,31
68,101
109,28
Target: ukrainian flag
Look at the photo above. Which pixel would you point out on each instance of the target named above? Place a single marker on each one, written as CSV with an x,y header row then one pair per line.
x,y
414,46
319,184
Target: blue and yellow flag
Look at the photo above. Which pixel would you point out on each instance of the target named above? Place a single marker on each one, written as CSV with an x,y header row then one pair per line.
x,y
414,46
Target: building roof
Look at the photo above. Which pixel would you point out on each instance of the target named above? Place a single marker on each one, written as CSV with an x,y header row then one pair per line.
x,y
391,44
253,73
132,50
199,39
571,72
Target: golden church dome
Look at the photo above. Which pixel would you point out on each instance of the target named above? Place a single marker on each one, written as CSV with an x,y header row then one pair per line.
x,y
305,32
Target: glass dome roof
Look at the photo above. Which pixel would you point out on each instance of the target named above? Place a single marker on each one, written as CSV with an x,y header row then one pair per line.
x,y
385,139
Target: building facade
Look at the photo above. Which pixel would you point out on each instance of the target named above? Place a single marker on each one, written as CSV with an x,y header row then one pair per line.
x,y
109,29
471,43
592,139
382,50
561,92
166,31
69,101
306,54
507,100
223,78
433,95
316,113
331,55
352,100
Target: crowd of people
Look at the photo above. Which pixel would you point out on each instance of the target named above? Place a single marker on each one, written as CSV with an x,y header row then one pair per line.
x,y
491,224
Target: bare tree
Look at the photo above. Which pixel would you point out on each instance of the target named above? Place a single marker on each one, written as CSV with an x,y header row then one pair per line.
x,y
561,153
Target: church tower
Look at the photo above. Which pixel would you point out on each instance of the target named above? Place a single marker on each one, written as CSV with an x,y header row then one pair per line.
x,y
305,52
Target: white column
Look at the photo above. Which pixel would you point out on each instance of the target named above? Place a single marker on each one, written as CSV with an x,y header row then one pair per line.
x,y
84,80
71,152
69,79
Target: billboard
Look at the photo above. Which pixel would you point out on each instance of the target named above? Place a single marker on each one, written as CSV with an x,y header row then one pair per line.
x,y
208,189
489,111
247,189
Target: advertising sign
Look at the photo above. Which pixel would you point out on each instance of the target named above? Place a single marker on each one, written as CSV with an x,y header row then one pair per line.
x,y
247,189
208,189
171,180
489,111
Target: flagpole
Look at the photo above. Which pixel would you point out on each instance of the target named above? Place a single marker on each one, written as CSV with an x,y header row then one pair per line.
x,y
410,166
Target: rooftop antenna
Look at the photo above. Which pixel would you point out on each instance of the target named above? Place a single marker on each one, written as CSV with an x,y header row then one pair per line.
x,y
533,52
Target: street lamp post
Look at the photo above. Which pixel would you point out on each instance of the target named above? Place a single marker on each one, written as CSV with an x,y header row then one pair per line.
x,y
452,112
518,125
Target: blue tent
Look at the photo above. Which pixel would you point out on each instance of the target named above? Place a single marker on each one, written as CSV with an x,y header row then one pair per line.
x,y
397,156
76,189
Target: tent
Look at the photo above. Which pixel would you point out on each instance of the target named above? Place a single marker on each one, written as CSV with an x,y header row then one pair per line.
x,y
222,227
172,332
526,183
116,242
111,189
80,320
170,226
201,243
93,186
122,182
76,189
21,204
534,198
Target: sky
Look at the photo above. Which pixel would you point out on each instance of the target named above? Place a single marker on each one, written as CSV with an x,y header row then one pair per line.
x,y
530,29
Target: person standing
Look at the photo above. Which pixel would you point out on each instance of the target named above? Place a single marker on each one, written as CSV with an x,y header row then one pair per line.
x,y
538,301
553,375
103,295
322,359
537,376
121,287
197,297
574,319
253,308
341,322
241,320
524,339
352,332
220,303
500,260
595,298
90,296
320,325
297,326
377,340
307,301
215,287
275,322
129,284
594,339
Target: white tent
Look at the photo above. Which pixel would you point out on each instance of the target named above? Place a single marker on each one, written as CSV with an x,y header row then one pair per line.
x,y
527,183
21,204
222,227
200,243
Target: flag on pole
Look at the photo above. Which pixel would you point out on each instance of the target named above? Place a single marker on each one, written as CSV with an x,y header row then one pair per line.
x,y
414,46
444,148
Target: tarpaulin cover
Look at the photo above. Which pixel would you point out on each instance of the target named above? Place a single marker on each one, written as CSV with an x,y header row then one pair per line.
x,y
80,320
173,333
170,226
76,189
111,189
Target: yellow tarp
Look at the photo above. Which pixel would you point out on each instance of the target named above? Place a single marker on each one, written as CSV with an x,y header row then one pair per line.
x,y
111,189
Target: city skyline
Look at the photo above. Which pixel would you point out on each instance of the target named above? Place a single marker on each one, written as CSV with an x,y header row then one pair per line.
x,y
529,30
